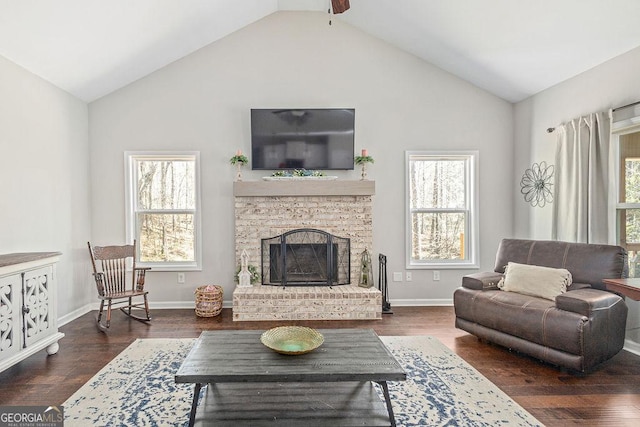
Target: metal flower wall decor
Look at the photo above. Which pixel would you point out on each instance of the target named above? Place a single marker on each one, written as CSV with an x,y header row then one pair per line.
x,y
536,184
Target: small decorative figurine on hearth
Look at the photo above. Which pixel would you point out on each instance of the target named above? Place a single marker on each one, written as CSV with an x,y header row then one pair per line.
x,y
239,160
244,276
366,270
362,160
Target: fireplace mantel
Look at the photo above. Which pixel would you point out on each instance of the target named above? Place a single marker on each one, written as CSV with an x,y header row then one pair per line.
x,y
304,187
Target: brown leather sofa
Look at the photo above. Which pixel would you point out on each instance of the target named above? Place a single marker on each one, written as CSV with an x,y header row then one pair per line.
x,y
580,329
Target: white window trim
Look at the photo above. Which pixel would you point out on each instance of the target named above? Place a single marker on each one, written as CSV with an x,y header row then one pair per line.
x,y
619,128
472,188
616,166
130,188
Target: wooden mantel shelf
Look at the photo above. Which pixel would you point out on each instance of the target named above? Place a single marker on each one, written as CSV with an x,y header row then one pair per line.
x,y
304,187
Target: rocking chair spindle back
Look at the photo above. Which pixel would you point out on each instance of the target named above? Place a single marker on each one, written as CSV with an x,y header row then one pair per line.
x,y
111,281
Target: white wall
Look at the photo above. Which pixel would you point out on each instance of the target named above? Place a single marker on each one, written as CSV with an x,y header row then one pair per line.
x,y
612,84
609,85
295,59
45,178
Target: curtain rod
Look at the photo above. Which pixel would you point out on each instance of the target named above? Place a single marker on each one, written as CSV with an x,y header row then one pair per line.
x,y
550,130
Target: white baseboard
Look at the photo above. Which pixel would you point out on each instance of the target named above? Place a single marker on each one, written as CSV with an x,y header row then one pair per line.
x,y
152,306
76,313
632,347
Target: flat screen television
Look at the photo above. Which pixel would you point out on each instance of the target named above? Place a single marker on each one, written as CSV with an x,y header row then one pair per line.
x,y
302,138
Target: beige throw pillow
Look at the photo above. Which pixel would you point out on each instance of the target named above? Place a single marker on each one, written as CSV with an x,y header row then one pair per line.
x,y
534,280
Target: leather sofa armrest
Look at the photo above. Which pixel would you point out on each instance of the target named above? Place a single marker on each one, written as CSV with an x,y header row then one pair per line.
x,y
481,281
587,301
575,286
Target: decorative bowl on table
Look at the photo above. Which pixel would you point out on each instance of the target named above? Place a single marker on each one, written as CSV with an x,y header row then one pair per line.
x,y
292,339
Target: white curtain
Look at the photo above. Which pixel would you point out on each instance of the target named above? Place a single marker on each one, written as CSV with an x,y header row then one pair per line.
x,y
580,211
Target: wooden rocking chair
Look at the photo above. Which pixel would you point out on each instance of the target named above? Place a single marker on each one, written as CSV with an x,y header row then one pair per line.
x,y
111,281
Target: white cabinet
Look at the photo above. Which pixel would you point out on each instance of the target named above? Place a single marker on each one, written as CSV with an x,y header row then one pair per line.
x,y
10,308
28,306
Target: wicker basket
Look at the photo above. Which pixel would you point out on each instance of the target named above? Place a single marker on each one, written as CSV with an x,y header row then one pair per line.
x,y
208,300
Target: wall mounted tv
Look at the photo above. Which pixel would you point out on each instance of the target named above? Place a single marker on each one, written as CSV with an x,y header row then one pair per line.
x,y
302,138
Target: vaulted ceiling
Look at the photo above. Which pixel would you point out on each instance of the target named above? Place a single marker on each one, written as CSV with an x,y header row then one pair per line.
x,y
511,48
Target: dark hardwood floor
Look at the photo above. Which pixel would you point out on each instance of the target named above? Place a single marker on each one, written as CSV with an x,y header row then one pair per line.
x,y
608,396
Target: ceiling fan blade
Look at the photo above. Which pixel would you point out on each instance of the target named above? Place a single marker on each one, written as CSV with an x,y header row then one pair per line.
x,y
339,6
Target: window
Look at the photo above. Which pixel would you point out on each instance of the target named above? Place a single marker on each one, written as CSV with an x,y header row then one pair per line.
x,y
442,210
163,209
628,205
624,227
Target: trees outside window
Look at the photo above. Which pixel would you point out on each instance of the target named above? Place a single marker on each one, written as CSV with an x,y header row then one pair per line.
x,y
441,223
163,212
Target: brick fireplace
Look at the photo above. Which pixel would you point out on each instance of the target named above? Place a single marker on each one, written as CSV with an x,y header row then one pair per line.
x,y
264,209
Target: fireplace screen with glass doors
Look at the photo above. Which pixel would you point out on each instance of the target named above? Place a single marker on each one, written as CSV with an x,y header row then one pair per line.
x,y
306,257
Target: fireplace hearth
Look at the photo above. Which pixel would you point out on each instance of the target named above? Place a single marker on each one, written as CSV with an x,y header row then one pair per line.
x,y
306,257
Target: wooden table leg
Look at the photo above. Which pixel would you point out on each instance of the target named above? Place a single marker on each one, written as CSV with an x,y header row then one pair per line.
x,y
194,404
387,399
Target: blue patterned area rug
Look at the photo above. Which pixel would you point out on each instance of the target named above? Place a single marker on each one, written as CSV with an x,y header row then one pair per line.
x,y
137,389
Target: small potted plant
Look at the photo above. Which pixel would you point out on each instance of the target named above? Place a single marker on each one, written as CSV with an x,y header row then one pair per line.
x,y
362,160
239,160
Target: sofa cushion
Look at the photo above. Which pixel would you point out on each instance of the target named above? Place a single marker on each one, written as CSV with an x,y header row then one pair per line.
x,y
575,285
533,280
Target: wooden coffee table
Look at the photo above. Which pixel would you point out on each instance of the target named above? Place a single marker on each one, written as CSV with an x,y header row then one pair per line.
x,y
249,384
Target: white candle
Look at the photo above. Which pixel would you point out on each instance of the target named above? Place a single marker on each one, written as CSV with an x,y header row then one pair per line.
x,y
239,152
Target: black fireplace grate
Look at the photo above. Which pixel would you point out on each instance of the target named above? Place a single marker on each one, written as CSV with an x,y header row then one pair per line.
x,y
306,257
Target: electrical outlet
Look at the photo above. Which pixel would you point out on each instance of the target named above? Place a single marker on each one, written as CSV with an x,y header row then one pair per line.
x,y
181,278
436,275
408,276
397,277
